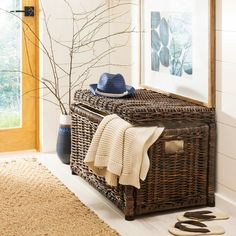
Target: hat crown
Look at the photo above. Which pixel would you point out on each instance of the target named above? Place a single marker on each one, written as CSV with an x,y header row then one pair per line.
x,y
110,83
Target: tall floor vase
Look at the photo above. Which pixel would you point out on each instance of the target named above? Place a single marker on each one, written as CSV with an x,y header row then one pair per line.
x,y
64,139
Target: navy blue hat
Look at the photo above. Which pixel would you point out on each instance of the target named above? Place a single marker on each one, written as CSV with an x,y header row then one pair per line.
x,y
111,85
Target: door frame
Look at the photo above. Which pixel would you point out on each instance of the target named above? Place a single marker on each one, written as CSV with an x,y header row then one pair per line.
x,y
27,136
36,78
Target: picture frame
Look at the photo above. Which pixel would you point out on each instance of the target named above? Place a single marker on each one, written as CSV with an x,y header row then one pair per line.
x,y
178,49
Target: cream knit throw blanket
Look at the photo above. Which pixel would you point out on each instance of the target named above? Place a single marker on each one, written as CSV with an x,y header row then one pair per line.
x,y
118,151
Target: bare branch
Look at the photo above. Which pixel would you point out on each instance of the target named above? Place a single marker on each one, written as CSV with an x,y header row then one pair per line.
x,y
44,83
87,27
33,90
105,38
45,99
96,16
54,68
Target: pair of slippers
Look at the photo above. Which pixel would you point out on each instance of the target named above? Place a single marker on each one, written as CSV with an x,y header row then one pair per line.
x,y
190,224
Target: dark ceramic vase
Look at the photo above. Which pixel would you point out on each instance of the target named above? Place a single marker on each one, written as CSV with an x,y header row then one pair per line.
x,y
64,139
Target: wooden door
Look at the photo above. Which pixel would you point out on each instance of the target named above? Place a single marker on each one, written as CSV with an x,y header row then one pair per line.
x,y
19,105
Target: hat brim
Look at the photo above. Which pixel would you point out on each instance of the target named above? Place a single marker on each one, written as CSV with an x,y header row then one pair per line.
x,y
129,90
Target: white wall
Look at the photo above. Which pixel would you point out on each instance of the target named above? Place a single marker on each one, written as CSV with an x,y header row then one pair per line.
x,y
126,56
226,103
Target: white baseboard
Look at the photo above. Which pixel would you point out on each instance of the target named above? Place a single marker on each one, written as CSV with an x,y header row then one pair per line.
x,y
225,204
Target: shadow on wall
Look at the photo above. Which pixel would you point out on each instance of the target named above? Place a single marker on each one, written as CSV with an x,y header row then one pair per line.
x,y
190,93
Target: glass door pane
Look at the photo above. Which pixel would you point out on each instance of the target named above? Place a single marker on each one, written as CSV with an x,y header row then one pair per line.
x,y
19,59
10,66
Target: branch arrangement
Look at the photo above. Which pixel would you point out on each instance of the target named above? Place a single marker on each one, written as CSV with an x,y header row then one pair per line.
x,y
88,29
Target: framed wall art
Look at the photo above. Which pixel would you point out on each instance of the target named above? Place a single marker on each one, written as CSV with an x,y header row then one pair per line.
x,y
178,48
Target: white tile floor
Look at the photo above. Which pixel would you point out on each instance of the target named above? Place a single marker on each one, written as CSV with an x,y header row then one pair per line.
x,y
156,224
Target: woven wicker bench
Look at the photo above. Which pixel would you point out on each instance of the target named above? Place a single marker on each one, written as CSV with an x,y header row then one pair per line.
x,y
176,179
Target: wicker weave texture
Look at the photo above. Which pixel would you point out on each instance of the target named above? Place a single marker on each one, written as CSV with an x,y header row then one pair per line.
x,y
83,129
147,107
175,180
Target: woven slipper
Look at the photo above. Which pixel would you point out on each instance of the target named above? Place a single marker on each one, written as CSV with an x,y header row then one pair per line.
x,y
202,216
196,228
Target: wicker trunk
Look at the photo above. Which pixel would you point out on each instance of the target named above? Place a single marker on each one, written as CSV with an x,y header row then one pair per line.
x,y
184,177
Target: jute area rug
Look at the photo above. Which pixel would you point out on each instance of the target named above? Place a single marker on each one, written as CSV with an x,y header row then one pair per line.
x,y
34,202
